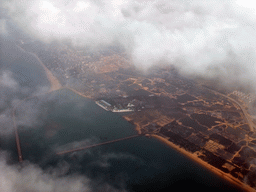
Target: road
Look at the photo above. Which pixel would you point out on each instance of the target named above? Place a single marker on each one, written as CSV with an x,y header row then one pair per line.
x,y
95,145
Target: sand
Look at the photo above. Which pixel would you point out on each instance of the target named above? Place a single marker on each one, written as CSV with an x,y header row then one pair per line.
x,y
213,169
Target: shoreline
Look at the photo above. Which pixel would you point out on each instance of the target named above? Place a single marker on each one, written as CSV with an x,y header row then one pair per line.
x,y
55,84
204,164
77,92
137,127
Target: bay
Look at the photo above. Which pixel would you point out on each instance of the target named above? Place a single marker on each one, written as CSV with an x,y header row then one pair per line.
x,y
137,164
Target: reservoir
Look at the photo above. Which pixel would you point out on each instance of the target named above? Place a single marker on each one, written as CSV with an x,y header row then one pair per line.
x,y
64,120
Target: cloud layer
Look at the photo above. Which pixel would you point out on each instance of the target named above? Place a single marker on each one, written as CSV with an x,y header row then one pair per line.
x,y
208,38
30,177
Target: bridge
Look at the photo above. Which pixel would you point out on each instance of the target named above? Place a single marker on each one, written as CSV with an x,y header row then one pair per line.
x,y
96,145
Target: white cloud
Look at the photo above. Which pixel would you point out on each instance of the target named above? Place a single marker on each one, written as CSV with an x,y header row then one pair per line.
x,y
196,36
3,30
210,38
6,80
30,177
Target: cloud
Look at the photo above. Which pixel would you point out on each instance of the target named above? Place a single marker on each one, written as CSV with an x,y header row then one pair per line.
x,y
11,94
8,90
19,80
3,30
27,176
76,145
6,80
30,177
8,87
207,38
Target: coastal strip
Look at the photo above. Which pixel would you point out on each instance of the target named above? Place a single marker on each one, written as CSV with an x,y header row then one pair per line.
x,y
202,163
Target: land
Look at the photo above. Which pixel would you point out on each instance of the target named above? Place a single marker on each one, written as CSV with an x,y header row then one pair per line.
x,y
213,128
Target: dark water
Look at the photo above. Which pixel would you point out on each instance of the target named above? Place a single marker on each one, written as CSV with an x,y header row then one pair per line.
x,y
26,68
67,120
138,164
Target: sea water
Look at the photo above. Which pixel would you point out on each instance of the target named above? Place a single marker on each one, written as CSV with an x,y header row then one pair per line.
x,y
66,121
137,164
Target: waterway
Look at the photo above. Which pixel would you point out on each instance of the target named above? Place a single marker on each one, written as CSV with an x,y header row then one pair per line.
x,y
67,120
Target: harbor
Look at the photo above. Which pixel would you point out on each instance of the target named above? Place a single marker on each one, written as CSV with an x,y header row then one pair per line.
x,y
108,107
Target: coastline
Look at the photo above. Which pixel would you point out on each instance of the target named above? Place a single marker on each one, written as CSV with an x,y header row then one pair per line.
x,y
77,92
202,163
137,126
55,84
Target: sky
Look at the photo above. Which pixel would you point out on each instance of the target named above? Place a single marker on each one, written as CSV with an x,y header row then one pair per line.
x,y
212,39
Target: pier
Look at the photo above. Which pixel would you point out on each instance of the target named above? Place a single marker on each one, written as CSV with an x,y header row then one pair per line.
x,y
17,137
96,145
